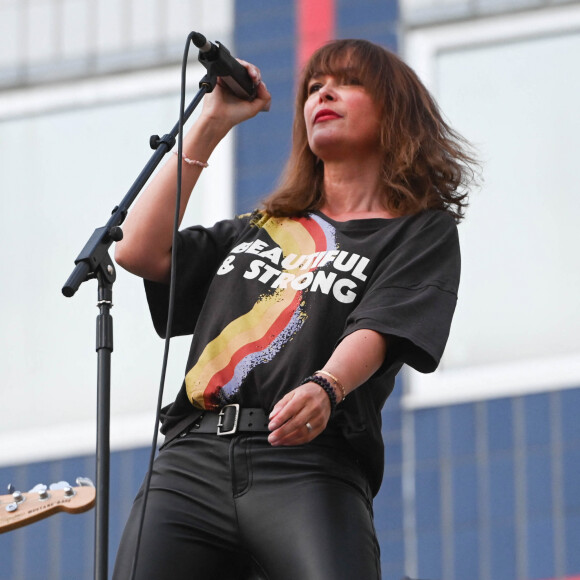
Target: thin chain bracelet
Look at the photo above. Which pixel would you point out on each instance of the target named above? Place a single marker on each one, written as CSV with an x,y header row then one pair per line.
x,y
189,161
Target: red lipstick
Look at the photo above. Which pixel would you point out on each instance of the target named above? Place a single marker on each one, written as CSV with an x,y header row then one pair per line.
x,y
326,115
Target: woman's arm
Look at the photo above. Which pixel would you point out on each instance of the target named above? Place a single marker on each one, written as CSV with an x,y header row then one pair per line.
x,y
147,232
354,361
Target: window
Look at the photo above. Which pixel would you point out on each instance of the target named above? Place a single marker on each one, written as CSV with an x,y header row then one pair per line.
x,y
69,155
511,85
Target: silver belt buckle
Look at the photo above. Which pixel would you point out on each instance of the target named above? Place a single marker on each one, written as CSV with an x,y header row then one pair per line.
x,y
221,416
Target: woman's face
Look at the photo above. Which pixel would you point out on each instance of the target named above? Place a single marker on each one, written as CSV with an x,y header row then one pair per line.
x,y
341,117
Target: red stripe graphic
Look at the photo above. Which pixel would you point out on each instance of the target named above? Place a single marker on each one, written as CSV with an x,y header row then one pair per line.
x,y
225,375
248,340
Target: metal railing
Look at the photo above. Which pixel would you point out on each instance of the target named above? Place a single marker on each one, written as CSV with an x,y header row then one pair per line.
x,y
51,40
426,12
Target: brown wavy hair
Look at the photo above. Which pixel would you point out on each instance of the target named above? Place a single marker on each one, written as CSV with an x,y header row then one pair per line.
x,y
426,164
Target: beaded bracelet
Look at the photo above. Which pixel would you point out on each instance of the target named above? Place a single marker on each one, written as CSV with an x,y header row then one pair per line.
x,y
335,381
322,382
189,161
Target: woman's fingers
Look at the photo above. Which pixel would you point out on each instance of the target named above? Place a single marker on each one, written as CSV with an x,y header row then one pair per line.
x,y
222,106
300,416
253,70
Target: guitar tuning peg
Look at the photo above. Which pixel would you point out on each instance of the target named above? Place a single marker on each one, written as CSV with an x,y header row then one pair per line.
x,y
12,507
17,495
84,481
59,485
38,488
65,486
41,490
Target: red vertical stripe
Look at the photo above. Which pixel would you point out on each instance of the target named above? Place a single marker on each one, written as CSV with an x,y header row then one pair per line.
x,y
316,25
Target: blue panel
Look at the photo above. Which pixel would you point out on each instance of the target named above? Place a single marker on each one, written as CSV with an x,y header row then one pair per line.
x,y
394,548
256,12
428,498
399,387
391,490
251,190
388,504
393,450
253,152
392,556
74,467
426,434
572,546
393,570
537,419
77,532
382,33
392,417
539,483
503,553
570,401
500,427
392,413
119,502
465,492
12,475
128,470
540,548
462,425
429,550
38,473
501,489
8,542
466,553
77,546
265,34
391,519
36,534
571,462
364,14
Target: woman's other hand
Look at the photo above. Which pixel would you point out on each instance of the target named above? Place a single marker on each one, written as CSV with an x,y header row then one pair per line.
x,y
300,416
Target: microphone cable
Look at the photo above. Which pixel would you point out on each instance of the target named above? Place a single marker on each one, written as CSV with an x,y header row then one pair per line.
x,y
170,309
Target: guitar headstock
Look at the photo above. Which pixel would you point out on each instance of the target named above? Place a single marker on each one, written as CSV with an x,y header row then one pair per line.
x,y
19,509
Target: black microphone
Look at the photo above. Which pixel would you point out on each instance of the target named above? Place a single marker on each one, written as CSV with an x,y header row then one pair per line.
x,y
218,61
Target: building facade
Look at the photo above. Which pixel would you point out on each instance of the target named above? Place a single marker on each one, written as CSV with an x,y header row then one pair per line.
x,y
482,476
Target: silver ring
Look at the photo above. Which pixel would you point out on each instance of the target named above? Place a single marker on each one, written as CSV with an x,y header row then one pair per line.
x,y
309,427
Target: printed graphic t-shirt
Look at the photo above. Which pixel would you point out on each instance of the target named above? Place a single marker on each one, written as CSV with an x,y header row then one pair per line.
x,y
268,300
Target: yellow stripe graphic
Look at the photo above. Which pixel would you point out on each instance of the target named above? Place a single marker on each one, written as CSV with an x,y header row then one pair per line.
x,y
293,238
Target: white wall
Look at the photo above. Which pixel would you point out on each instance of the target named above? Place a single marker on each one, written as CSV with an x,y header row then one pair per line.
x,y
68,155
511,85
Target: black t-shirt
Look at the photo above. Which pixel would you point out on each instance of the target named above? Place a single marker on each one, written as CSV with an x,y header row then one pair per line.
x,y
268,299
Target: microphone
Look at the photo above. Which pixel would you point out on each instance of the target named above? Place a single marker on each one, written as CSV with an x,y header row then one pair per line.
x,y
218,61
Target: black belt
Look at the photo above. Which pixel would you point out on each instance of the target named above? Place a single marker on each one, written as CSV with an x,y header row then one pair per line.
x,y
230,420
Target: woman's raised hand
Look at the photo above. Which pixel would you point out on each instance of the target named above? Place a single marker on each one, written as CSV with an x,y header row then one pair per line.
x,y
222,107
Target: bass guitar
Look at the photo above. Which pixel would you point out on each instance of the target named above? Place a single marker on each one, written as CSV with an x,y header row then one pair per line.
x,y
18,509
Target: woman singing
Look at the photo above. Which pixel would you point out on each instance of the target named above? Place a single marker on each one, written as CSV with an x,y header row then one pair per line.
x,y
302,313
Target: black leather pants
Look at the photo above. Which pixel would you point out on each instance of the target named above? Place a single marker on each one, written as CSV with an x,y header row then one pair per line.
x,y
239,509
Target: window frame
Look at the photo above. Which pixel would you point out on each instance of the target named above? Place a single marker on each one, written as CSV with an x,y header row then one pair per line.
x,y
421,47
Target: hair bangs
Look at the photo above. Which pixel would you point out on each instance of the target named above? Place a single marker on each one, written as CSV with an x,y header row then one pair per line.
x,y
346,59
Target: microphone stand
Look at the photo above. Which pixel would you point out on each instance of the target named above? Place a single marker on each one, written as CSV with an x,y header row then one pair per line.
x,y
94,262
